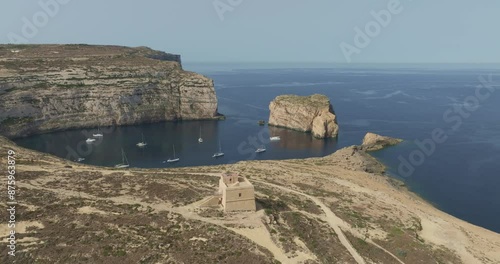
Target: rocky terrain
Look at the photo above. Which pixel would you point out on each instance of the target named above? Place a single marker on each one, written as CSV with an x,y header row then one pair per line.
x,y
374,142
305,113
334,209
56,87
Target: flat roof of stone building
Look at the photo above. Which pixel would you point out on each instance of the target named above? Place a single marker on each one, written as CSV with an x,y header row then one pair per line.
x,y
242,181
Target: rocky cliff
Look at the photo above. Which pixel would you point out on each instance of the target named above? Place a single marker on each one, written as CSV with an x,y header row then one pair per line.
x,y
55,87
305,113
373,142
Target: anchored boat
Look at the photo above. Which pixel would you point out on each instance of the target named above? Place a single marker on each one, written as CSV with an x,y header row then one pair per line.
x,y
175,159
142,143
124,163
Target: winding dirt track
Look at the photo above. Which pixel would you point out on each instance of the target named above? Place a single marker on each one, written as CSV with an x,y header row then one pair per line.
x,y
331,218
325,209
186,211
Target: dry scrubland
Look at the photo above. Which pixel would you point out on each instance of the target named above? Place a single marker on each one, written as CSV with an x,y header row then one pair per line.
x,y
336,209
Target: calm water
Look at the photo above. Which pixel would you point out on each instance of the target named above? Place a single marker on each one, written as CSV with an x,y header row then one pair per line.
x,y
461,177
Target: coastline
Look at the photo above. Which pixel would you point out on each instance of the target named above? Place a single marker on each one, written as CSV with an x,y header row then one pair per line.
x,y
97,86
340,181
218,117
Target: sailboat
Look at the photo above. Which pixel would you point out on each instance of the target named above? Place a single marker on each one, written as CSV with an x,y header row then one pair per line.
x,y
175,159
99,134
200,140
142,143
124,163
261,149
220,153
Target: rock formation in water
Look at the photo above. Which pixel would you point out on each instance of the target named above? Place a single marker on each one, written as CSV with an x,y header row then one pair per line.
x,y
304,113
55,87
373,142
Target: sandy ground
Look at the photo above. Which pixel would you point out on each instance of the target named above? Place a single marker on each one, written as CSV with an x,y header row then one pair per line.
x,y
472,243
341,172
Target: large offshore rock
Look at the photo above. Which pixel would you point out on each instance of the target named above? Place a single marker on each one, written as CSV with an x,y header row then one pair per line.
x,y
55,87
304,113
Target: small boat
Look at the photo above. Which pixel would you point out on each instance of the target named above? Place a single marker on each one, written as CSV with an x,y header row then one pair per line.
x,y
90,140
99,134
219,153
142,143
276,138
80,159
200,140
260,150
124,163
261,122
175,159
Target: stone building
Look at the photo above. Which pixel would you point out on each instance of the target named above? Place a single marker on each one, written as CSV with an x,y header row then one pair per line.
x,y
237,193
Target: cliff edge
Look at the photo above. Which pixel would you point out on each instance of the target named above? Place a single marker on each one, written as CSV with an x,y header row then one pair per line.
x,y
305,113
47,88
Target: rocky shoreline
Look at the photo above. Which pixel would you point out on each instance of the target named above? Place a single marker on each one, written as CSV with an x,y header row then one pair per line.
x,y
348,184
374,142
46,88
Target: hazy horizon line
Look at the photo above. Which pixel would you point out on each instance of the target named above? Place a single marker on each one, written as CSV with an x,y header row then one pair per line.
x,y
344,63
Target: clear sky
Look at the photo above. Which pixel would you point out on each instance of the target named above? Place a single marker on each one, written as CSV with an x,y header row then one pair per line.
x,y
424,31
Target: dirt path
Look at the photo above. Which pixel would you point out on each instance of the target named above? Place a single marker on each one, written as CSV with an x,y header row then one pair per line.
x,y
263,239
334,221
258,234
339,221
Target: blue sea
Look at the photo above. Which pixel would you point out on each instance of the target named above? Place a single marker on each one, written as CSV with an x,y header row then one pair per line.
x,y
449,116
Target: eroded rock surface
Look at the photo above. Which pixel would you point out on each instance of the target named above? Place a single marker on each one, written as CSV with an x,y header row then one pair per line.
x,y
373,142
305,113
56,87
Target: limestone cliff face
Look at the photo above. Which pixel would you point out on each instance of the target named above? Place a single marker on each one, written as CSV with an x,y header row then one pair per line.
x,y
305,113
373,142
55,87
